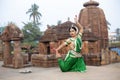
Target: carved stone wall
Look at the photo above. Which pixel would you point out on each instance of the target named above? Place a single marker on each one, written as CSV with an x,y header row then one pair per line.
x,y
53,37
1,49
93,20
7,56
17,60
12,35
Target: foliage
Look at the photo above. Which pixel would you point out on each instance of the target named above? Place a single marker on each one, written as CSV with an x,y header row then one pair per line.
x,y
118,31
115,44
1,29
34,13
59,22
31,30
31,34
118,34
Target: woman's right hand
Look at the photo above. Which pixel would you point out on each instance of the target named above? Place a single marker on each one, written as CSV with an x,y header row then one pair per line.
x,y
57,53
55,50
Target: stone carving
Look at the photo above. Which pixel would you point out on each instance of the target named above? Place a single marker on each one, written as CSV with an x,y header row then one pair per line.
x,y
12,34
96,34
51,39
1,49
54,37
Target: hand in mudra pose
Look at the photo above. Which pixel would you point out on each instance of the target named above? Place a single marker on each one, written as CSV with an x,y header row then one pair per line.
x,y
57,53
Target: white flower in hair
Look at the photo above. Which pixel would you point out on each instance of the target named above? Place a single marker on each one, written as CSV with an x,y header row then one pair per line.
x,y
75,27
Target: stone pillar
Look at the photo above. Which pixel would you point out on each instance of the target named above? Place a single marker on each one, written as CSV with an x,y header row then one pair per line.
x,y
18,59
6,58
1,50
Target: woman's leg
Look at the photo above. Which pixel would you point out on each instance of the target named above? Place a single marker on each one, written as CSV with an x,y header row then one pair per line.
x,y
66,65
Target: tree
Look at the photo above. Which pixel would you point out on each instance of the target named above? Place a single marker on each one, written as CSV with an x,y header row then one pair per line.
x,y
31,34
59,22
1,29
34,13
31,30
118,34
108,23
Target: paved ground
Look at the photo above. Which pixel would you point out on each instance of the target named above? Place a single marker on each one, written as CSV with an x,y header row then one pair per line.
x,y
106,72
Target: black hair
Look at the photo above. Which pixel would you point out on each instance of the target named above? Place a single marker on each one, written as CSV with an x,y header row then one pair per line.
x,y
73,27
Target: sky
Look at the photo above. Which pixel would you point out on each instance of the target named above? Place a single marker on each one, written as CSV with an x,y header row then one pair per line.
x,y
54,10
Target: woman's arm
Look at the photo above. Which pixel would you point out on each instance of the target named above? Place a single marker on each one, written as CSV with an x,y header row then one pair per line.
x,y
62,45
57,49
78,24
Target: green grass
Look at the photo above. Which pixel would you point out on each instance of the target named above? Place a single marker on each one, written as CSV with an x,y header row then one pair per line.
x,y
115,44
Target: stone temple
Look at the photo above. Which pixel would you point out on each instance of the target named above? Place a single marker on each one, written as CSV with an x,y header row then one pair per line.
x,y
95,28
95,39
12,53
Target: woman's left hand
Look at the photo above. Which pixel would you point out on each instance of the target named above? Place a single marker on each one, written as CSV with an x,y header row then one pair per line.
x,y
76,19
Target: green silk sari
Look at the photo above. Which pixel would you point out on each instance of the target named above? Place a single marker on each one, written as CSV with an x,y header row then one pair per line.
x,y
73,61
